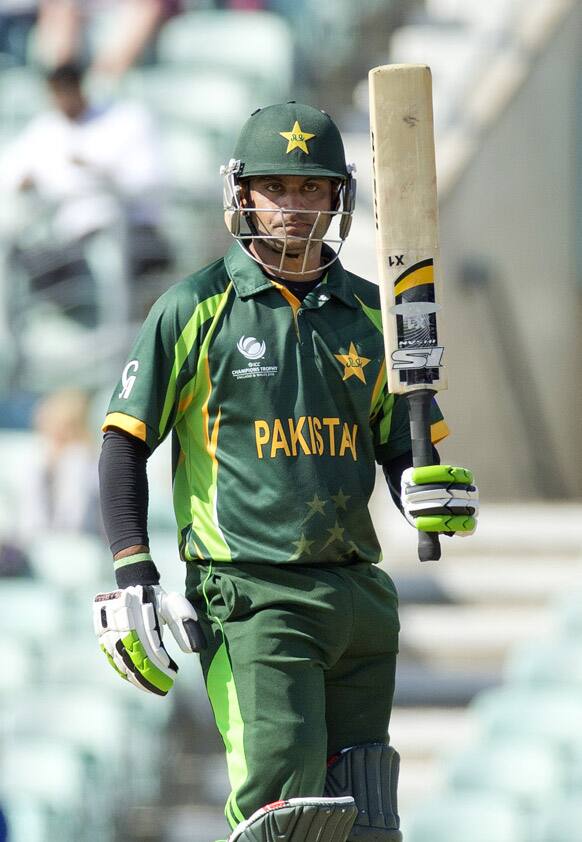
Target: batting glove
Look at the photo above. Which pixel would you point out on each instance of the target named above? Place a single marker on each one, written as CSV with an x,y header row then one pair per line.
x,y
440,498
128,624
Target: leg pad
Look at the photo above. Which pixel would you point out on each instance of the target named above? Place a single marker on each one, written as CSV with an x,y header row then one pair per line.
x,y
299,820
369,773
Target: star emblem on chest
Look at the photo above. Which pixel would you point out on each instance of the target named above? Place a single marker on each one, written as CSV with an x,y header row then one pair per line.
x,y
353,363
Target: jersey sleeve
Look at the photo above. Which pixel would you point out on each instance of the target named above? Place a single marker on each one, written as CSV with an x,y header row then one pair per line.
x,y
391,427
144,402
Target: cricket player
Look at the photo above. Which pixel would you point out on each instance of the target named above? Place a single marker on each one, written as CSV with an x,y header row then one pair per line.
x,y
268,368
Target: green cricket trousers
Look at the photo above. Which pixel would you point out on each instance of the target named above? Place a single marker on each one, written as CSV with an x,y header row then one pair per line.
x,y
299,664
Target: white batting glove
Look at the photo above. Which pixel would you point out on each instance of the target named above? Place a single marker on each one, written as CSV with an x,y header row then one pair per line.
x,y
440,498
128,624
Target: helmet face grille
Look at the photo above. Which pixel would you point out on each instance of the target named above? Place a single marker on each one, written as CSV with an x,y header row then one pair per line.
x,y
329,227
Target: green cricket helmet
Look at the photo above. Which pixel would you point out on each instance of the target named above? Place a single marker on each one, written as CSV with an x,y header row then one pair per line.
x,y
289,139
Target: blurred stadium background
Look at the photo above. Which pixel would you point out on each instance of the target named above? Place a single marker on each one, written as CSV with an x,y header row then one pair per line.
x,y
488,709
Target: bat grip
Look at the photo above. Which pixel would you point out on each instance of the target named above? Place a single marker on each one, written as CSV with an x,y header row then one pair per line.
x,y
194,634
419,403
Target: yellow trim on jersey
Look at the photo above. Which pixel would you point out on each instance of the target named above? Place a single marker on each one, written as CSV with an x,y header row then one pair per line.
x,y
288,296
439,431
424,275
378,387
185,403
131,425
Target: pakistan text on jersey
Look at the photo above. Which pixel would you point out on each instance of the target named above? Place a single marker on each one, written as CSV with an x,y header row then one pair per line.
x,y
307,435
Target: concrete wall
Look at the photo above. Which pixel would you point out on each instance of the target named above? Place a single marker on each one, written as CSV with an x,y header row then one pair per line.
x,y
513,211
514,347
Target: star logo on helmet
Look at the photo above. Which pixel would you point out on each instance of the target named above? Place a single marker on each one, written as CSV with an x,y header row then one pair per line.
x,y
297,138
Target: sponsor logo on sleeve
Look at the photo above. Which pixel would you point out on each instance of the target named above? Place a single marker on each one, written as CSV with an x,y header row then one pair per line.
x,y
128,379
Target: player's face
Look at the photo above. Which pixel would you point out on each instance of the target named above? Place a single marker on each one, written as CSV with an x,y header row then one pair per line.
x,y
288,209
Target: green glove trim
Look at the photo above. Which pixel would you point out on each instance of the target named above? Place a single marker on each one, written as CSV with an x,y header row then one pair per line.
x,y
131,559
444,523
430,474
112,662
151,673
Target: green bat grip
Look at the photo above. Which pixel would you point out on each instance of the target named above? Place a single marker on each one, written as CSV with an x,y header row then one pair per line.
x,y
419,402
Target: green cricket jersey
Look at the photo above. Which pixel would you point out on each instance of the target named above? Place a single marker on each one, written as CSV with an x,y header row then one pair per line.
x,y
279,409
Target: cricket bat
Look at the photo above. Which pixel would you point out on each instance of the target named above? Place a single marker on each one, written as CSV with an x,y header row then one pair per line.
x,y
407,247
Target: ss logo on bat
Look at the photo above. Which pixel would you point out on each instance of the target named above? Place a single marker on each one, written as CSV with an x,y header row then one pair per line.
x,y
417,358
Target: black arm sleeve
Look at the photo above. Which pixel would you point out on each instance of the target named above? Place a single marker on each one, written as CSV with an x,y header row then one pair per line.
x,y
394,469
124,502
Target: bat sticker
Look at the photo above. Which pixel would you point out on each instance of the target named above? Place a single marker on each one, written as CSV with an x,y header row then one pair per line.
x,y
419,355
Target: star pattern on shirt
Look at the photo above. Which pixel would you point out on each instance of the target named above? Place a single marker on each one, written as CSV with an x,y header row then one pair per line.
x,y
353,363
314,540
297,138
336,533
316,506
303,546
350,551
340,499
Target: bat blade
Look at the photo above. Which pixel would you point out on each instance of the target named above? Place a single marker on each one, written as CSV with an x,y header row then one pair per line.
x,y
407,247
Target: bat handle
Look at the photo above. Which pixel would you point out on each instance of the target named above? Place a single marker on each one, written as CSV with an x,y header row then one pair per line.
x,y
419,403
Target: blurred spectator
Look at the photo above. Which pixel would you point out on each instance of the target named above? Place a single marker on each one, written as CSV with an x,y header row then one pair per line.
x,y
62,485
13,560
63,28
91,168
243,5
13,563
3,827
17,19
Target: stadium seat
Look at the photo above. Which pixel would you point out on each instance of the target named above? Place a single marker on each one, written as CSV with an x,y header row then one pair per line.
x,y
254,47
71,560
17,449
64,713
26,819
524,768
209,100
18,665
465,817
119,750
31,610
553,714
22,97
192,163
45,773
560,821
568,612
555,660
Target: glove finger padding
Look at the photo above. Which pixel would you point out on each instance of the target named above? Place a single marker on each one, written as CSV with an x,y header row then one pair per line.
x,y
126,623
181,618
440,498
